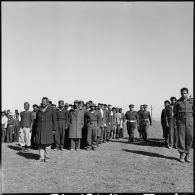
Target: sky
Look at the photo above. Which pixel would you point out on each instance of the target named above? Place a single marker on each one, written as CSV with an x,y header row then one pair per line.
x,y
117,53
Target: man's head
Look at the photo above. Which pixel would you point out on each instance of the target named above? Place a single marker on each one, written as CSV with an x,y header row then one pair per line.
x,y
3,113
145,107
76,104
120,110
173,100
184,92
50,103
92,107
142,107
105,106
113,109
166,103
60,104
131,107
109,107
66,105
26,106
81,103
45,102
87,105
35,107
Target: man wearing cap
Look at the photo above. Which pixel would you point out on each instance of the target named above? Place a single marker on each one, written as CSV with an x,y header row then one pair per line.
x,y
140,123
76,123
26,127
132,121
184,121
92,120
146,120
62,122
10,128
4,121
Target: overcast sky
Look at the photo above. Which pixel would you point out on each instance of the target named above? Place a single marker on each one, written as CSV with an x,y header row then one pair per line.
x,y
112,52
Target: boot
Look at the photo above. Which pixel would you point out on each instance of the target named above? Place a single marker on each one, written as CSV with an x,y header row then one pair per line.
x,y
187,158
182,157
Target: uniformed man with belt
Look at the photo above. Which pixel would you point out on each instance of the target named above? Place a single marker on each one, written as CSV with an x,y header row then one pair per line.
x,y
145,120
132,119
184,121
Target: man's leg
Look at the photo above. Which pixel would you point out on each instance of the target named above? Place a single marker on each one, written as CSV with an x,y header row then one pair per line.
x,y
46,151
94,136
42,152
175,137
78,144
89,136
21,139
72,144
189,140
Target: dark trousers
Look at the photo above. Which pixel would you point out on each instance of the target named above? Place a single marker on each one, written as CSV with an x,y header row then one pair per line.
x,y
145,131
113,131
91,134
108,133
173,134
84,137
121,133
140,129
3,131
16,133
60,134
75,143
33,135
166,134
9,133
185,136
131,129
117,131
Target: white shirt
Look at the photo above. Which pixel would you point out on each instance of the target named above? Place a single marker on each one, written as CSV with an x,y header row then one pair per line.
x,y
102,112
4,120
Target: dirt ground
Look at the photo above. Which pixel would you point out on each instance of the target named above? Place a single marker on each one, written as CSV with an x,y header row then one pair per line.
x,y
116,166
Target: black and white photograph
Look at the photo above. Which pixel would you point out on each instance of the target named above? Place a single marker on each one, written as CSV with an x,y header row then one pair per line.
x,y
97,97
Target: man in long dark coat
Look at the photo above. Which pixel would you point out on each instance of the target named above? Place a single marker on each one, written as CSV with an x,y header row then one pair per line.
x,y
46,127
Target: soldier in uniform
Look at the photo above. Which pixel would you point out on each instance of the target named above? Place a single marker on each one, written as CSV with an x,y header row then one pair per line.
x,y
140,124
62,122
184,121
132,121
92,119
165,123
146,120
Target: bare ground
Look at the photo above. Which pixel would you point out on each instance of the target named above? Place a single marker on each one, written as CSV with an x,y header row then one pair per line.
x,y
114,167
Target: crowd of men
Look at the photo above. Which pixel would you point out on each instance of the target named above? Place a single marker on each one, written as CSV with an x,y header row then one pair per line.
x,y
86,125
70,126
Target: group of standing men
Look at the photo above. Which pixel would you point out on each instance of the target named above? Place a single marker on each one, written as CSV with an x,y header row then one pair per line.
x,y
177,124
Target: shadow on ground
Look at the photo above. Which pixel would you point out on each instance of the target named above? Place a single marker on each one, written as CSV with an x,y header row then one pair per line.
x,y
17,148
29,155
145,153
154,142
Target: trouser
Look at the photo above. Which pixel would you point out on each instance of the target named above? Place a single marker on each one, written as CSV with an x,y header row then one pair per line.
x,y
91,134
121,133
24,137
75,143
33,144
113,131
131,126
185,136
104,133
3,131
84,137
44,151
9,133
166,134
108,133
145,131
16,133
54,142
140,129
60,134
117,131
173,132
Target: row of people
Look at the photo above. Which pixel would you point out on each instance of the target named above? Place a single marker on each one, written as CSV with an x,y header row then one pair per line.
x,y
177,124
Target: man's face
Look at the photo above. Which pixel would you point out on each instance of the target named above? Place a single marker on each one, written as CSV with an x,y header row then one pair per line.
x,y
184,94
61,104
131,108
166,104
26,106
76,104
35,109
120,110
44,103
141,108
109,107
92,108
173,101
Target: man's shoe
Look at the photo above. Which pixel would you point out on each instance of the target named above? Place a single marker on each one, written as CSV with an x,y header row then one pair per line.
x,y
42,160
182,158
187,158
